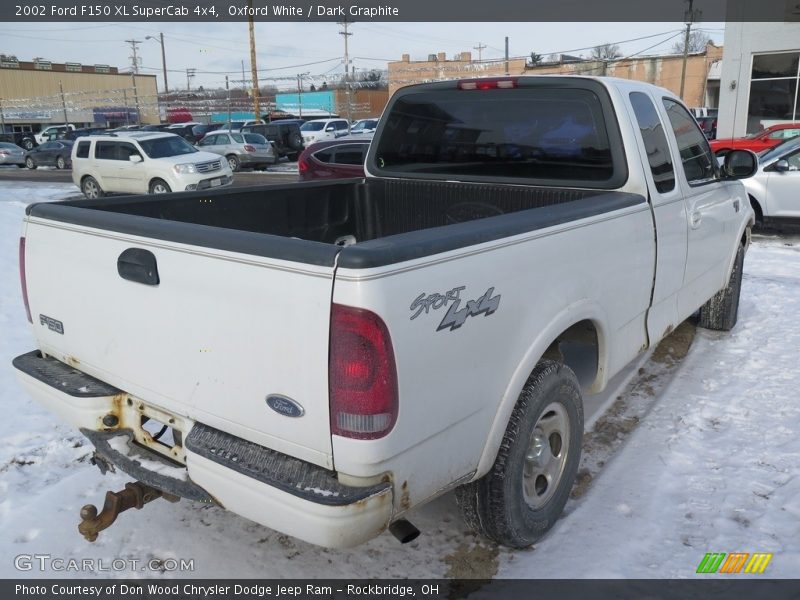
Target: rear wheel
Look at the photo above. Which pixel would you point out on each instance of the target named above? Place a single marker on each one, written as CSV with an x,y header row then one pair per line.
x,y
30,163
27,143
91,189
159,186
233,162
61,163
524,493
722,310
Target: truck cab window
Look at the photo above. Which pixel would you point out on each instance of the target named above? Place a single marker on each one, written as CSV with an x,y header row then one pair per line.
x,y
655,142
699,163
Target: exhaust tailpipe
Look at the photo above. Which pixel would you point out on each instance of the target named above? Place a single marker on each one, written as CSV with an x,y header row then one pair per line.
x,y
404,531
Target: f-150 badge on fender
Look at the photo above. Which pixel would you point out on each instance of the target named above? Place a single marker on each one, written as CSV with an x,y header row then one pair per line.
x,y
455,316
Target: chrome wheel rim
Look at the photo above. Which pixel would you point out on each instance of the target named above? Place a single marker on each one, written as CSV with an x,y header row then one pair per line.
x,y
232,164
546,455
90,189
60,163
159,188
29,163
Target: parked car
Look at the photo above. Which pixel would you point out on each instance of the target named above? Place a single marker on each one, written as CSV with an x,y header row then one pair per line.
x,y
328,356
709,126
158,127
144,162
319,130
238,125
364,126
759,141
76,133
774,190
198,132
24,139
240,149
50,154
284,135
334,159
11,154
53,132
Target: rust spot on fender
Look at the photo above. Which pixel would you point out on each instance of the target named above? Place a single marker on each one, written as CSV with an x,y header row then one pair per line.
x,y
71,360
405,497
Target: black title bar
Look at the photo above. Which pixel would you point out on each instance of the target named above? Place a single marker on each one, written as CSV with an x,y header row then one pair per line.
x,y
400,10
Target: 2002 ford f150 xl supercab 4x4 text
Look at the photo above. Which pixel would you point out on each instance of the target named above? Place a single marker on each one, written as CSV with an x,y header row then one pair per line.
x,y
323,357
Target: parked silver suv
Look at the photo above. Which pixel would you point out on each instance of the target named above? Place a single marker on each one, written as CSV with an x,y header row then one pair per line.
x,y
241,149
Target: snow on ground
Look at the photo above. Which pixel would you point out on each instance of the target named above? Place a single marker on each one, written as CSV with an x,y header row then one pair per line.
x,y
703,458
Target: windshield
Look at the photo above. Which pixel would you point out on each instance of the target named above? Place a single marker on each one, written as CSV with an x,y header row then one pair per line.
x,y
772,153
236,124
254,138
167,146
313,126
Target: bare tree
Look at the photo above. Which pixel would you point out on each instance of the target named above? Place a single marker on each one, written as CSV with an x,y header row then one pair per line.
x,y
697,42
606,52
535,59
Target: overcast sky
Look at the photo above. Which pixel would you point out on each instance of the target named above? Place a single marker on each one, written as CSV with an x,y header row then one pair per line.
x,y
285,49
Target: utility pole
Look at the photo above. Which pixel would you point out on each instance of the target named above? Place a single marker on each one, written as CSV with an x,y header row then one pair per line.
x,y
300,94
127,112
163,57
134,57
136,100
253,66
480,48
346,35
690,15
227,87
506,55
2,118
189,75
63,104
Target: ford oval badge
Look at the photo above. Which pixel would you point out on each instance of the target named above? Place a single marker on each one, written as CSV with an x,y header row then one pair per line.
x,y
285,406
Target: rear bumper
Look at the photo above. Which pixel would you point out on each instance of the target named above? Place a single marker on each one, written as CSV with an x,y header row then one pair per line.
x,y
270,488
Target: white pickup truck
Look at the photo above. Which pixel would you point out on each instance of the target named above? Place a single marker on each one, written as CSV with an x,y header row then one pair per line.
x,y
323,357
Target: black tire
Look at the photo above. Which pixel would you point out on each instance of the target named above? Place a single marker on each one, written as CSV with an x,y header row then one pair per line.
x,y
759,224
61,163
28,144
159,186
233,162
721,312
514,504
30,163
91,189
296,141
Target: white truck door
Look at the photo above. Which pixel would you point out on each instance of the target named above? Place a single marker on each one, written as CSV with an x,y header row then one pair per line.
x,y
783,189
669,210
711,209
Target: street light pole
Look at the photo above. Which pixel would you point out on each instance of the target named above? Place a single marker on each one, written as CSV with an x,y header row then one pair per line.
x,y
160,40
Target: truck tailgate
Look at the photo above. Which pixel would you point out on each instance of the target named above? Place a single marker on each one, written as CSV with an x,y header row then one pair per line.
x,y
219,333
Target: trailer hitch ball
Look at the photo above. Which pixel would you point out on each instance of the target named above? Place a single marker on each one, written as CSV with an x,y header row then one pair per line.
x,y
135,495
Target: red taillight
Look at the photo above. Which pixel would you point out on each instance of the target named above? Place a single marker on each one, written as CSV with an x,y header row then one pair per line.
x,y
302,164
487,83
362,375
22,278
249,148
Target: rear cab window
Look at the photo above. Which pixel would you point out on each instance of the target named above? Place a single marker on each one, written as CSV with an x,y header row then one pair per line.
x,y
83,150
554,132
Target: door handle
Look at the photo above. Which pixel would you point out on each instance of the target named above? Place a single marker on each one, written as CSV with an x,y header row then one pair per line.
x,y
136,264
736,205
695,219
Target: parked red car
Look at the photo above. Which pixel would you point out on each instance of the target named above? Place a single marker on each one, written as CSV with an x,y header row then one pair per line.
x,y
335,159
759,141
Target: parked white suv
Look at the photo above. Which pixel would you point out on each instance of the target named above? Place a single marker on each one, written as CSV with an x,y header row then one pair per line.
x,y
323,129
52,132
144,162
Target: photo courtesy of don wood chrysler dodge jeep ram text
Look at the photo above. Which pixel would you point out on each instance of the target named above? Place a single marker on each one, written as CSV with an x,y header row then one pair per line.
x,y
322,357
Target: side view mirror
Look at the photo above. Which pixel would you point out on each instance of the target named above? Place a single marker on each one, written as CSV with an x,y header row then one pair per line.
x,y
739,164
329,128
135,158
781,166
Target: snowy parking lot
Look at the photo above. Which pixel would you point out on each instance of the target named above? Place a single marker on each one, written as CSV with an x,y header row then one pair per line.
x,y
696,451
